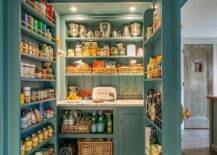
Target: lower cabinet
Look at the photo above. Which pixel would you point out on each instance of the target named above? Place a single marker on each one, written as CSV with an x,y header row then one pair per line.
x,y
131,131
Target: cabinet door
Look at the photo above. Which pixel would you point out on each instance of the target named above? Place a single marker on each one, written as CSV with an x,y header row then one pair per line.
x,y
131,132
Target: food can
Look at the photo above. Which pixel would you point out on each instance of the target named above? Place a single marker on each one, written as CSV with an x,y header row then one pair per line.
x,y
30,23
35,25
40,27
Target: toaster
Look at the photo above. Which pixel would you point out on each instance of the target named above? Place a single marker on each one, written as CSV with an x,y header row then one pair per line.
x,y
104,93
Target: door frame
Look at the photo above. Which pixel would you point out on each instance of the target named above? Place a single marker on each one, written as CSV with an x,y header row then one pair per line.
x,y
198,40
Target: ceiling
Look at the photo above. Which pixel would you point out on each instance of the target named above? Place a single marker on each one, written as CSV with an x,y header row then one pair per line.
x,y
199,18
102,8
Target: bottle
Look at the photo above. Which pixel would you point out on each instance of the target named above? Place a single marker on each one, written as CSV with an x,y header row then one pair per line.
x,y
94,123
109,123
101,123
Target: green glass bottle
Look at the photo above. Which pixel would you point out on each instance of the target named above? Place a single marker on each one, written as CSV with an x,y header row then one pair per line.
x,y
101,123
94,123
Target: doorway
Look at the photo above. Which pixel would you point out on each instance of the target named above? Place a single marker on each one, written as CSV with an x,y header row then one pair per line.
x,y
198,84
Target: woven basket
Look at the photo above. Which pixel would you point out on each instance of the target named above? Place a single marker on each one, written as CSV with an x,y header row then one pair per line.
x,y
78,70
99,70
80,127
136,70
123,70
94,147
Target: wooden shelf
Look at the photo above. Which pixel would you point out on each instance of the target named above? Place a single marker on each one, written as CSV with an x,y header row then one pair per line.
x,y
124,39
39,146
36,36
32,57
153,124
30,10
76,75
103,57
155,36
32,127
37,80
37,102
85,136
153,79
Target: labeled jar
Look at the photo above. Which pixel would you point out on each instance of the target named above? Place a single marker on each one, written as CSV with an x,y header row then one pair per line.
x,y
27,94
28,144
40,136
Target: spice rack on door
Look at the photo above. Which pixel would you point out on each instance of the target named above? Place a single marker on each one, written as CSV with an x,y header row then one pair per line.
x,y
36,49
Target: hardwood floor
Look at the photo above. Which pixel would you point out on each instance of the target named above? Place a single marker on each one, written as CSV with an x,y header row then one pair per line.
x,y
196,142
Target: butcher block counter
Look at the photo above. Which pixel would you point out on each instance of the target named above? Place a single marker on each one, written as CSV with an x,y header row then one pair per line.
x,y
213,122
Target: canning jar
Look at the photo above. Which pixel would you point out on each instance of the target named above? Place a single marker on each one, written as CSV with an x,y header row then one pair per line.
x,y
45,133
34,140
28,144
27,94
40,136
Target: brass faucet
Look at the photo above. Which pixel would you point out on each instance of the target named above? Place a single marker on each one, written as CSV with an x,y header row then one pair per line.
x,y
125,92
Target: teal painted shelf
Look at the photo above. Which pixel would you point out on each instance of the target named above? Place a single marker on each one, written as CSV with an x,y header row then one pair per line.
x,y
39,146
36,36
32,127
30,10
93,75
85,136
32,57
153,79
125,39
156,36
37,80
104,57
153,124
37,102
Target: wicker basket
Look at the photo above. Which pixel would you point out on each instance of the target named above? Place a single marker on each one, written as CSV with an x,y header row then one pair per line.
x,y
99,70
136,70
95,147
80,127
111,70
78,70
123,70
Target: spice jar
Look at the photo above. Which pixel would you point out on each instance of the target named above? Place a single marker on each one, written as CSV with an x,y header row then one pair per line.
x,y
28,144
45,133
22,148
50,131
34,140
40,136
27,94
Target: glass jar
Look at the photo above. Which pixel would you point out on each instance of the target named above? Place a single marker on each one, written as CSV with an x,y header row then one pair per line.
x,y
50,131
24,120
40,136
27,94
45,133
33,96
37,98
22,148
52,93
34,140
28,144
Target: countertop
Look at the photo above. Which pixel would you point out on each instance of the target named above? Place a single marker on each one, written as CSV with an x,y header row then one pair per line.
x,y
128,102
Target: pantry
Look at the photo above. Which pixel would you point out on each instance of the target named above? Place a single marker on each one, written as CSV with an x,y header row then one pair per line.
x,y
92,78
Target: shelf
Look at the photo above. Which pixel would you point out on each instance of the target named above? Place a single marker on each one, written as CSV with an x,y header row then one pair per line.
x,y
155,36
76,75
152,79
30,10
37,80
103,57
37,102
153,124
39,146
32,127
85,136
36,36
132,39
32,57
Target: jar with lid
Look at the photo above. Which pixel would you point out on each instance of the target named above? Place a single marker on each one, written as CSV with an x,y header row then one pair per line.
x,y
23,150
45,133
78,50
50,131
27,94
34,140
40,136
24,120
28,144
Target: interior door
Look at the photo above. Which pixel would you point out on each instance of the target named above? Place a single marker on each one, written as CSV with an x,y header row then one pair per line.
x,y
198,83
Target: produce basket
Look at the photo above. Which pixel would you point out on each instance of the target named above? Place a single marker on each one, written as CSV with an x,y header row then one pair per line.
x,y
136,70
99,70
111,70
78,70
123,70
80,127
95,147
